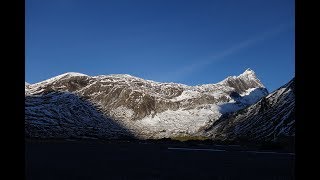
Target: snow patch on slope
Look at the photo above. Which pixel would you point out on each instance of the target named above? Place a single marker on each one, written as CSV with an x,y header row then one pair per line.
x,y
174,123
252,95
122,112
187,94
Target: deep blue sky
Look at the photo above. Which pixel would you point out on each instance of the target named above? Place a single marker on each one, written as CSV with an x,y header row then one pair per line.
x,y
191,42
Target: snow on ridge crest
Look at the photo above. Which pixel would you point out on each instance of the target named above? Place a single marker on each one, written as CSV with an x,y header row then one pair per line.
x,y
55,78
247,75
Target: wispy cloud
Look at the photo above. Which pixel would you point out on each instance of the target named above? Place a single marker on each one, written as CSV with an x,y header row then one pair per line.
x,y
220,56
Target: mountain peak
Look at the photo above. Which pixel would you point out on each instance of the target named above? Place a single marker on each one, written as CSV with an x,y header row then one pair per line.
x,y
249,75
244,81
248,72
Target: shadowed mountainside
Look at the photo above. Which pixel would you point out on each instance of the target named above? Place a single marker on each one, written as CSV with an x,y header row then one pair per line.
x,y
66,115
270,119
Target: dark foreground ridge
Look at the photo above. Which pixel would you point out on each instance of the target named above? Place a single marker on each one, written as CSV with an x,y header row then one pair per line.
x,y
151,160
288,146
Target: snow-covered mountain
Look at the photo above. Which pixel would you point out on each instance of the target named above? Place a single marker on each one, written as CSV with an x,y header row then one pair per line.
x,y
78,105
270,119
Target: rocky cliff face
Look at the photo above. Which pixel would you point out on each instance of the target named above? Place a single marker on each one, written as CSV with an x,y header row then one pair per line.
x,y
270,119
127,105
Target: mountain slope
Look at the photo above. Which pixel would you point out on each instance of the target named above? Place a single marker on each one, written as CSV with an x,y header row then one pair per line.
x,y
142,108
65,115
270,119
